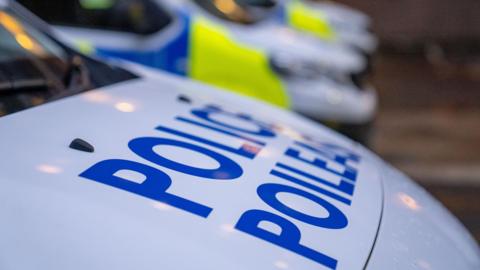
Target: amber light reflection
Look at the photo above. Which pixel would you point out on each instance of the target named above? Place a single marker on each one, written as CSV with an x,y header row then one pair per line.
x,y
15,28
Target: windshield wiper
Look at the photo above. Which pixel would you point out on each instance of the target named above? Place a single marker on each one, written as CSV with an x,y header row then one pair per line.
x,y
12,86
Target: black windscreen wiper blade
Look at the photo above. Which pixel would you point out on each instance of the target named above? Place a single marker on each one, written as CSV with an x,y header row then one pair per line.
x,y
21,76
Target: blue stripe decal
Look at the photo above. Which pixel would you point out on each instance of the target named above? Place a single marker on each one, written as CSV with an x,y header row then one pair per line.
x,y
280,14
173,57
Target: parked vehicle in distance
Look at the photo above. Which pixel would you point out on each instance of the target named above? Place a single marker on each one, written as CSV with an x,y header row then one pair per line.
x,y
173,39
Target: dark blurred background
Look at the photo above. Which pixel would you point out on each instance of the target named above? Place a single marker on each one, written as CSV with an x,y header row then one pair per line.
x,y
428,76
409,22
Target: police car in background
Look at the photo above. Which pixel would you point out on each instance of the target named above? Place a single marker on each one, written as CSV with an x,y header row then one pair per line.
x,y
331,23
105,168
185,44
343,17
268,24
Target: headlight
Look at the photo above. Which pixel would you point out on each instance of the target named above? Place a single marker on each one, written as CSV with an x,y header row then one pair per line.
x,y
289,66
294,68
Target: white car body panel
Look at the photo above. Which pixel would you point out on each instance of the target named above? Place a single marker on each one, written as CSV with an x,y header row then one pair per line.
x,y
351,25
417,232
343,16
67,219
55,219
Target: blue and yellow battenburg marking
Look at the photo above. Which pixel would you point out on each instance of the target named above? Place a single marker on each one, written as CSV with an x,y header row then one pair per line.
x,y
300,17
205,51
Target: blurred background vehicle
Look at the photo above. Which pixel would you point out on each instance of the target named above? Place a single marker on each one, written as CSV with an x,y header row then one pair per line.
x,y
325,82
333,22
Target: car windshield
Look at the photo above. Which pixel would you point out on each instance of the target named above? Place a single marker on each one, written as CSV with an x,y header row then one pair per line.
x,y
240,11
35,68
143,17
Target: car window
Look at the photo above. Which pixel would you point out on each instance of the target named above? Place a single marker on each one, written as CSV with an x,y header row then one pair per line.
x,y
142,17
31,67
35,68
240,11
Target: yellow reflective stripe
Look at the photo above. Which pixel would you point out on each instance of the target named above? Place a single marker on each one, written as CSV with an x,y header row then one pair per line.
x,y
306,19
97,4
215,58
84,46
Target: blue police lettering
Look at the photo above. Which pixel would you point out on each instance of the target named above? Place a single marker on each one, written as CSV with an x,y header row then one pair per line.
x,y
207,113
340,150
335,220
344,186
349,172
315,188
154,187
249,142
221,130
228,169
246,150
289,237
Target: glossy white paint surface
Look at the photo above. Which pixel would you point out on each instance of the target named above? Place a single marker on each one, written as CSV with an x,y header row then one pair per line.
x,y
54,219
343,16
417,232
59,220
331,100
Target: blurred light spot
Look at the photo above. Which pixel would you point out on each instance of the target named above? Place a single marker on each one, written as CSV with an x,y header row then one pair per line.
x,y
251,149
291,133
50,169
85,47
125,107
408,201
25,41
162,206
230,8
10,23
226,6
229,228
281,265
265,153
97,97
423,265
15,28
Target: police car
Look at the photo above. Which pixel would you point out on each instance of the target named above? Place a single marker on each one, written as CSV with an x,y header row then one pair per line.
x,y
332,22
339,29
341,16
107,167
150,33
271,25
